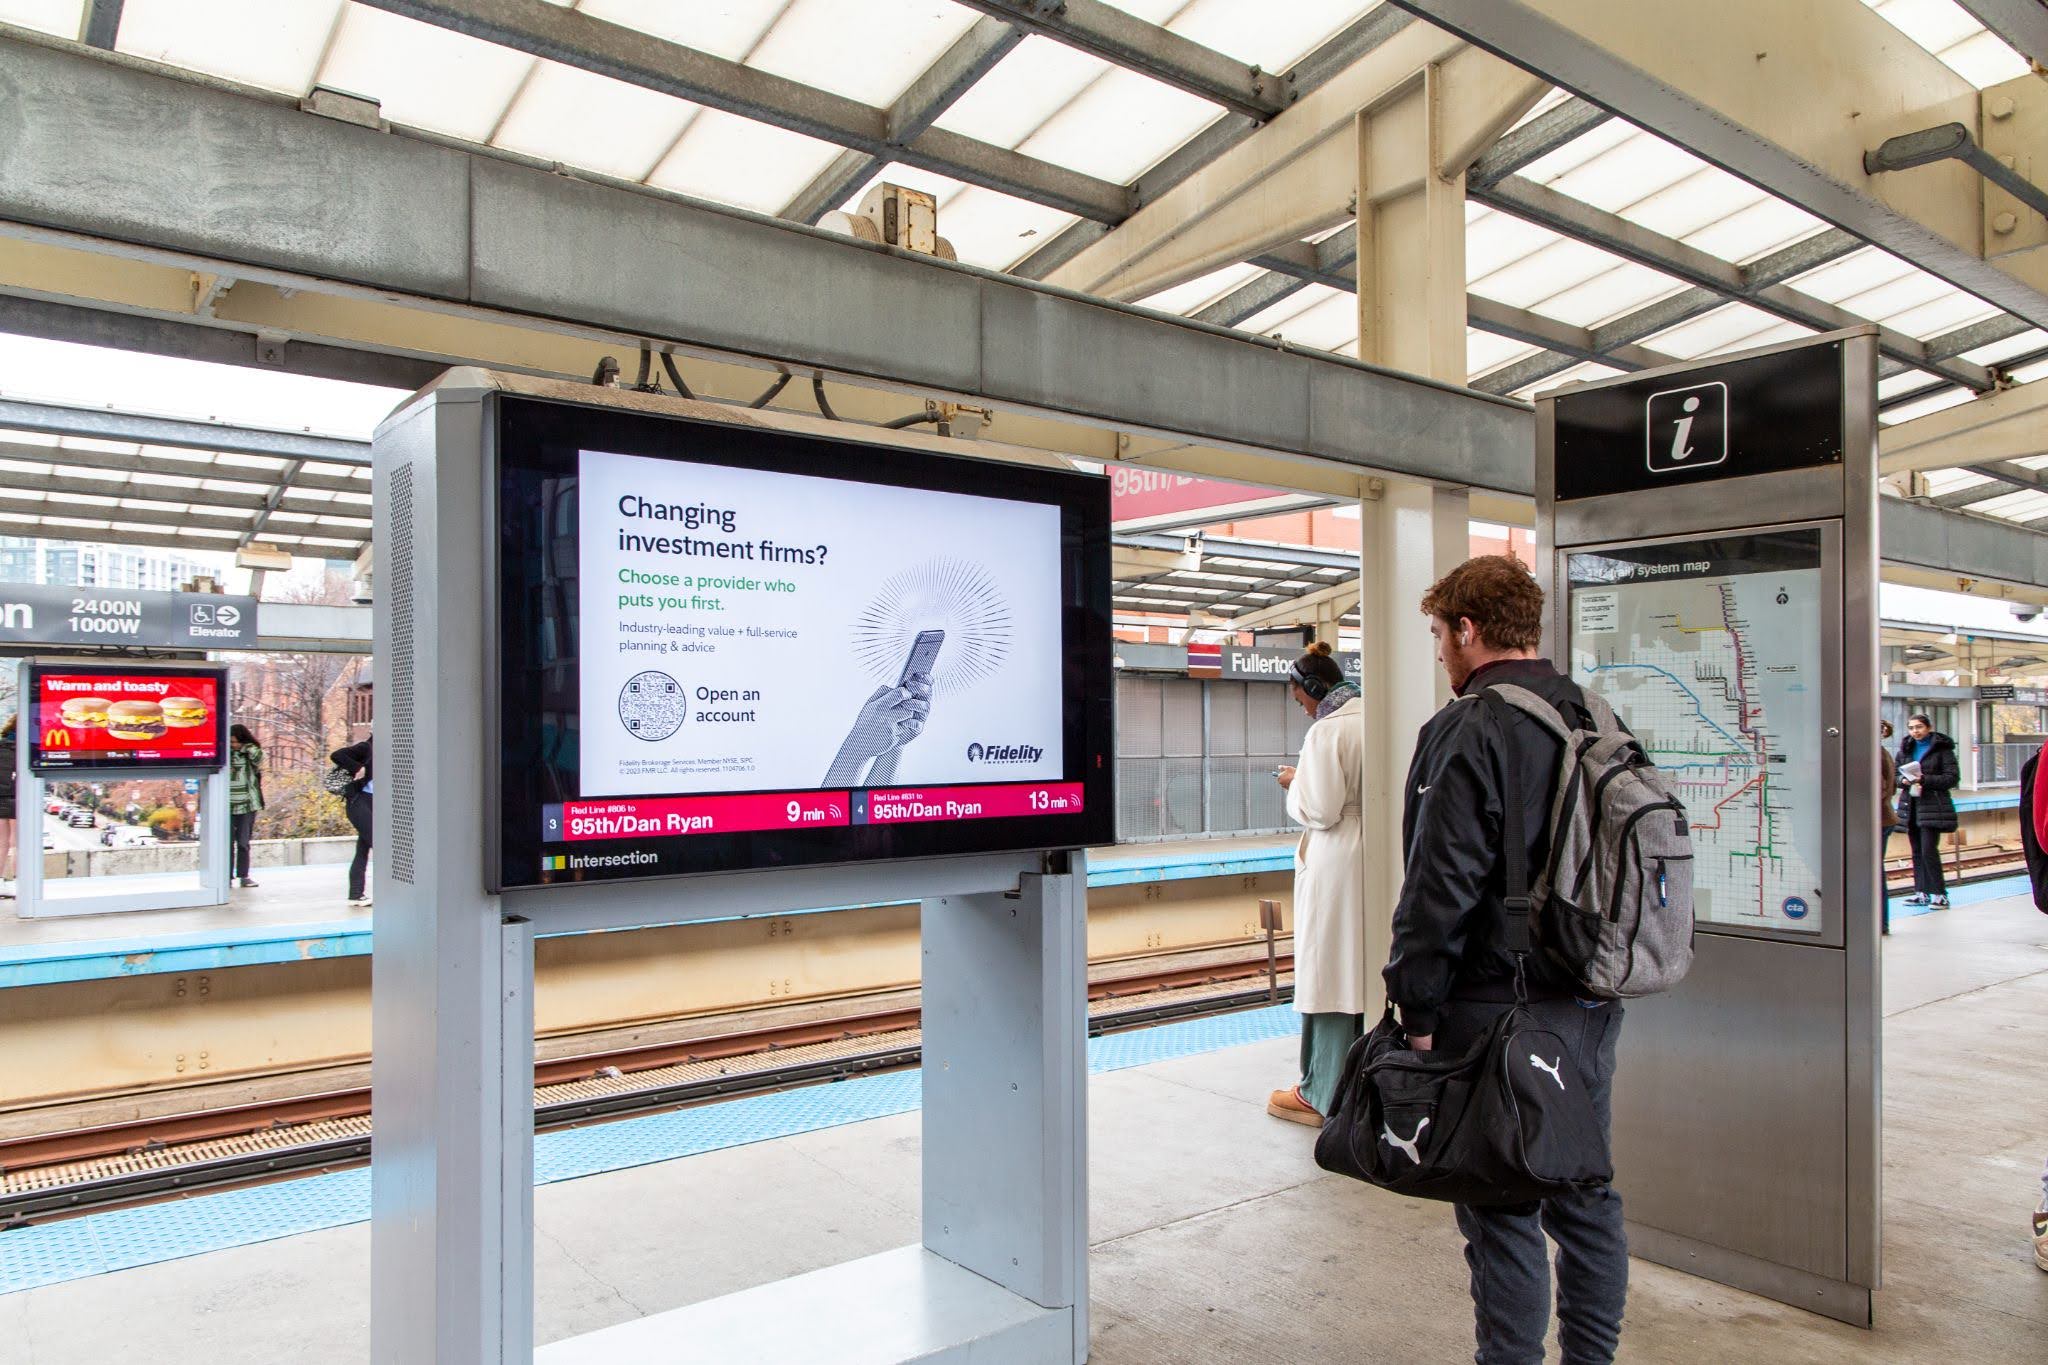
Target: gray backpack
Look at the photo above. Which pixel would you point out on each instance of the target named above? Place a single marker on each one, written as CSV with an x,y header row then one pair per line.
x,y
1612,906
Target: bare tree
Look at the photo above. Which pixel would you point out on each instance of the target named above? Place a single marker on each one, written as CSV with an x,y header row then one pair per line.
x,y
296,703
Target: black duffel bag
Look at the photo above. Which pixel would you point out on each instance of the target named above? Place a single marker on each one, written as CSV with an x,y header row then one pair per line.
x,y
1506,1122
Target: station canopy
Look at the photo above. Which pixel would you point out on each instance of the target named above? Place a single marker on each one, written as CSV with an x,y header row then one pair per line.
x,y
1043,118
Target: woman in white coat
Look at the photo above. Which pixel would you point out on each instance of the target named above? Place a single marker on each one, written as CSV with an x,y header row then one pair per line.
x,y
1329,897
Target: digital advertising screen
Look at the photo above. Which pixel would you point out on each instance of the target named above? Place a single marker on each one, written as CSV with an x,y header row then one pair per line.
x,y
94,717
729,647
1710,651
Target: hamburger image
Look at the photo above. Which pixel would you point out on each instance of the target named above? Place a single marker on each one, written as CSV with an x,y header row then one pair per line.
x,y
135,720
182,713
85,713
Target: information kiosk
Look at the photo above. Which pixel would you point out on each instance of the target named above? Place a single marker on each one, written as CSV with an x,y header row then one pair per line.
x,y
642,661
1713,573
88,720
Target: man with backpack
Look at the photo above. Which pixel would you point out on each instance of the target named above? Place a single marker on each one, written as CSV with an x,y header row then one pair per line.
x,y
1452,973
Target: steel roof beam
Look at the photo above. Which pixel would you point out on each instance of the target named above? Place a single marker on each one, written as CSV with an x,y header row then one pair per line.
x,y
627,54
128,159
100,23
1289,268
1122,39
1990,429
2023,24
1309,558
971,57
67,457
1576,344
1554,128
1305,77
99,424
1612,233
1768,100
69,486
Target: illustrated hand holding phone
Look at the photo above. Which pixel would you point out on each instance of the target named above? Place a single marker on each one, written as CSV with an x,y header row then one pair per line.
x,y
890,718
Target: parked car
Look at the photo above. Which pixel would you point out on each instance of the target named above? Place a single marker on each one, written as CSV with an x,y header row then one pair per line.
x,y
82,819
55,806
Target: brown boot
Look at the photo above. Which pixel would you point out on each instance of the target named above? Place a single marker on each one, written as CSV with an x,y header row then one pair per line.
x,y
1288,1104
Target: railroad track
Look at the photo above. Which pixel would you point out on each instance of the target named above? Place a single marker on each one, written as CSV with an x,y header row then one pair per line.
x,y
64,1175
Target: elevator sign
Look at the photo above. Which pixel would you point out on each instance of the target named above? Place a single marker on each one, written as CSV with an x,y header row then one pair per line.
x,y
1760,415
39,614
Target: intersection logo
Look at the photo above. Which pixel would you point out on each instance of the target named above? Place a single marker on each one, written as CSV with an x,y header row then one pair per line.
x,y
1687,428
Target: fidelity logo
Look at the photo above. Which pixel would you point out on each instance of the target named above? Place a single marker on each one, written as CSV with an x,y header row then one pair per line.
x,y
1003,753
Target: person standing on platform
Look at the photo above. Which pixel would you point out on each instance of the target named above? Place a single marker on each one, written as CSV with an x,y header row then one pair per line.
x,y
245,794
2034,844
1329,898
1451,975
355,760
1888,817
1927,774
10,829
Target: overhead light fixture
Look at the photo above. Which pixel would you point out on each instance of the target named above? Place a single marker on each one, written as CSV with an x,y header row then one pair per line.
x,y
262,557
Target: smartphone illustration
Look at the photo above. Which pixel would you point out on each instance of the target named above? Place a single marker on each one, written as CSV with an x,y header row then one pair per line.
x,y
924,652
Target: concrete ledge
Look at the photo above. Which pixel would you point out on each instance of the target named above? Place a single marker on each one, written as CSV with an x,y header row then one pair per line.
x,y
140,859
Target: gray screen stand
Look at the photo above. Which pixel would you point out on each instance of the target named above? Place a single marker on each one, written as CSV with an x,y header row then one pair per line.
x,y
1001,1273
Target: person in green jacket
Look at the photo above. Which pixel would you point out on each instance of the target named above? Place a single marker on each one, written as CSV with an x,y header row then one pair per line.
x,y
245,793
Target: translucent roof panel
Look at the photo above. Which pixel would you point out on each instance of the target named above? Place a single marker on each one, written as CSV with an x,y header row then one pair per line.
x,y
1024,90
566,114
1486,352
724,28
866,50
61,17
738,161
423,76
256,42
1256,32
1951,33
1118,125
1731,327
1202,291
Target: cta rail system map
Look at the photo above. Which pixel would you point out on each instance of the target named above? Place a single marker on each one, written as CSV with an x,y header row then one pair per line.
x,y
1710,651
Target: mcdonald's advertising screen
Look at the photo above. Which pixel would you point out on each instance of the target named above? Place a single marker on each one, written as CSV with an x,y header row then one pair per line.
x,y
151,719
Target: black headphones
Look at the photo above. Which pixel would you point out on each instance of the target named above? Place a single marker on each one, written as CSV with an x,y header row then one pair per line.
x,y
1315,687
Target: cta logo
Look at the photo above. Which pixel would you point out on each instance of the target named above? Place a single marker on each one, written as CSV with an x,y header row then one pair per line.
x,y
1688,428
1003,753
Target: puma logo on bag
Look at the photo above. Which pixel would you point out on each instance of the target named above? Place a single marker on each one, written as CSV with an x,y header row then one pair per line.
x,y
1405,1144
1551,1067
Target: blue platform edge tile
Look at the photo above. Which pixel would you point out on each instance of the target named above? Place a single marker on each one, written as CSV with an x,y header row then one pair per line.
x,y
52,1253
200,950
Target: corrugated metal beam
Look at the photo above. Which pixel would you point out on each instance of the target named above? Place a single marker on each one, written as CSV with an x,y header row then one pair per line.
x,y
55,419
100,23
2023,24
1959,543
1700,75
169,466
123,158
637,58
971,57
1312,72
1611,232
1122,39
1555,127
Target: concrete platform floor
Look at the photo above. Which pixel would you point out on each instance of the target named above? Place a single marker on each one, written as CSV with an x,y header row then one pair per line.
x,y
316,894
1215,1237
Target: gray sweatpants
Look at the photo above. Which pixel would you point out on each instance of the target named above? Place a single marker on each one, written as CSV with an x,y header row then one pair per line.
x,y
1504,1246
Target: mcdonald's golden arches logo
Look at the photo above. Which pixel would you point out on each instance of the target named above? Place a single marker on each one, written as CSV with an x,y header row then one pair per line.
x,y
54,738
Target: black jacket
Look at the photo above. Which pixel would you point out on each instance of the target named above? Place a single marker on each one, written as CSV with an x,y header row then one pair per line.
x,y
1939,774
355,758
1448,923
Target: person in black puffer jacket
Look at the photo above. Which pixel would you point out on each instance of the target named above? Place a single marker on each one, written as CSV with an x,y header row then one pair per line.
x,y
1928,772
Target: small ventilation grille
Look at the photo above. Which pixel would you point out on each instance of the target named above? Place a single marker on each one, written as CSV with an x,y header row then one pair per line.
x,y
399,736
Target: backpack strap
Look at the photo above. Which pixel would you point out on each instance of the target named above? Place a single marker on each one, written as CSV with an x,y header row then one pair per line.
x,y
1516,903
